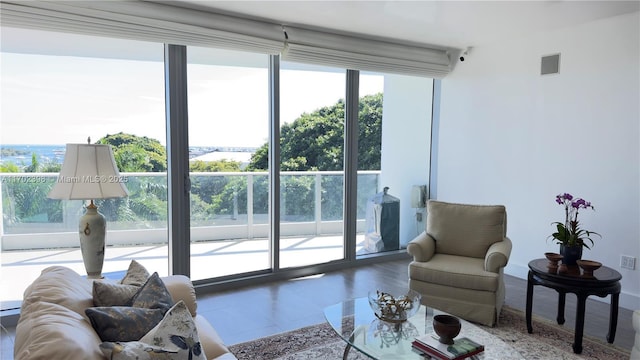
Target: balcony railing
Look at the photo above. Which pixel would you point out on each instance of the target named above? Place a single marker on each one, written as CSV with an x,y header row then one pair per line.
x,y
224,206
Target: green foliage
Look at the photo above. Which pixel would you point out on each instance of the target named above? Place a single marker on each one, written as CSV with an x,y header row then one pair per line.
x,y
223,165
35,164
136,154
260,159
370,132
9,167
315,141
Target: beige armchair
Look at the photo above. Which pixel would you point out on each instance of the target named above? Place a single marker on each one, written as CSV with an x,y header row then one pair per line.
x,y
458,261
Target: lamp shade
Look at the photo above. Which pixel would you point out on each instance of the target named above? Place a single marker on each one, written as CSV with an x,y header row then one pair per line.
x,y
88,172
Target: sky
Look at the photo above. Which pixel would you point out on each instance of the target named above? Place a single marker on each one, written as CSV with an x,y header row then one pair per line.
x,y
54,99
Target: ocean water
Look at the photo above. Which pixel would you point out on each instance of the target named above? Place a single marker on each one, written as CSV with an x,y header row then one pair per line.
x,y
54,154
21,154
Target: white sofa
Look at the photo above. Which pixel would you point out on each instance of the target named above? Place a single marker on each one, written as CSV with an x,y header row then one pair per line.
x,y
53,324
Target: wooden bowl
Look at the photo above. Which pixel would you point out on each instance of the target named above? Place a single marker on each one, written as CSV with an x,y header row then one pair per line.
x,y
447,327
588,266
553,257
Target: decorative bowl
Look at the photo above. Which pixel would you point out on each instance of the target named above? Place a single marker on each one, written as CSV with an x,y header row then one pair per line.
x,y
588,266
553,257
447,327
391,308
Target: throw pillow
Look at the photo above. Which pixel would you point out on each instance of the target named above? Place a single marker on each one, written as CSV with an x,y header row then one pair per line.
x,y
136,274
134,350
123,323
107,293
177,330
153,294
112,294
130,323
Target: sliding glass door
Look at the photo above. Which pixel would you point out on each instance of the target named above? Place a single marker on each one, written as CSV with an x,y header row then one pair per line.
x,y
228,125
312,111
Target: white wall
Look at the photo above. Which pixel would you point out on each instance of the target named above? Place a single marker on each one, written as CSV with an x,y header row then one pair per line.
x,y
508,135
406,140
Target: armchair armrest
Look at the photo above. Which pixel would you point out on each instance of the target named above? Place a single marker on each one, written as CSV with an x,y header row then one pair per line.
x,y
422,247
497,255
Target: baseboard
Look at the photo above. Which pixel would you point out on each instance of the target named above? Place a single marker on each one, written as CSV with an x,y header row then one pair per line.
x,y
627,300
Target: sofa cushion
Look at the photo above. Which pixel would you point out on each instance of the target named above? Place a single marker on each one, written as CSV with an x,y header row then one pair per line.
x,y
49,328
130,323
465,230
177,330
59,285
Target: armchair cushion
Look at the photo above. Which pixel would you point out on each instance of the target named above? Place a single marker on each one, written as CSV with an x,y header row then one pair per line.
x,y
465,230
455,271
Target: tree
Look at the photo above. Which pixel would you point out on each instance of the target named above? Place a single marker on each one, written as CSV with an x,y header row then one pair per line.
x,y
315,141
222,165
136,154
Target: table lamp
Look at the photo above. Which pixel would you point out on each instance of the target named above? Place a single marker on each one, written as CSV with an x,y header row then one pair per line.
x,y
89,172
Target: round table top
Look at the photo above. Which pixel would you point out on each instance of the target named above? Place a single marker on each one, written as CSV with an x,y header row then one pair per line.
x,y
573,274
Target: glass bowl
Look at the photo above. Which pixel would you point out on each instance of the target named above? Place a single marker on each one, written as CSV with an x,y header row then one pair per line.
x,y
392,308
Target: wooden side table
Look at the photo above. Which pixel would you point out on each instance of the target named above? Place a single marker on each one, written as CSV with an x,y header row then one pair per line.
x,y
604,281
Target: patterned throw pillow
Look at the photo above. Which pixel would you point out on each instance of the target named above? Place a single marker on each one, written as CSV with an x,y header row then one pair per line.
x,y
130,323
153,295
123,323
112,294
177,330
136,274
120,293
134,350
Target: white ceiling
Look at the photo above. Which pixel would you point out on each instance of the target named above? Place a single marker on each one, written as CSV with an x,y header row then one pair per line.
x,y
457,24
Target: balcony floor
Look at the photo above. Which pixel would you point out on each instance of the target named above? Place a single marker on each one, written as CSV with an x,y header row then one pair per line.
x,y
208,259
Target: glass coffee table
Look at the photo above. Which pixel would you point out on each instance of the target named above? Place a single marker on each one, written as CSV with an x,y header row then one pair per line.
x,y
354,321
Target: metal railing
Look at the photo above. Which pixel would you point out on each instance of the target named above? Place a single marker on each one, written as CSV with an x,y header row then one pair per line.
x,y
224,206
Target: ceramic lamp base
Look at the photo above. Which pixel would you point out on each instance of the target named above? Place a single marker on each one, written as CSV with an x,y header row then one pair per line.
x,y
92,229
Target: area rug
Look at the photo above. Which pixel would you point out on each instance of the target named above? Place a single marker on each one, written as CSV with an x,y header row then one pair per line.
x,y
548,341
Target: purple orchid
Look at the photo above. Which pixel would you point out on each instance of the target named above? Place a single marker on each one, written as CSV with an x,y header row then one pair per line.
x,y
569,232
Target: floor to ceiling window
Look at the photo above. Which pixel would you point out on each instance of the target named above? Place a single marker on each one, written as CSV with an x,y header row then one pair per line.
x,y
311,164
228,124
59,88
